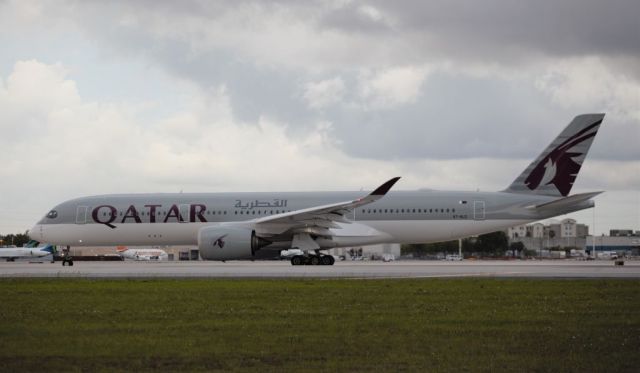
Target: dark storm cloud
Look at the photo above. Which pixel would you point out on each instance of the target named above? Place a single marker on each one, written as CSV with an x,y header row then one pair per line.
x,y
454,116
494,29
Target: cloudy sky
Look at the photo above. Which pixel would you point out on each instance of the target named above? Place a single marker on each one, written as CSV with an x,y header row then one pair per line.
x,y
152,96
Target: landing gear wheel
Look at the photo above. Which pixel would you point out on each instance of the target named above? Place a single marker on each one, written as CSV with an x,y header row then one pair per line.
x,y
314,260
327,260
297,260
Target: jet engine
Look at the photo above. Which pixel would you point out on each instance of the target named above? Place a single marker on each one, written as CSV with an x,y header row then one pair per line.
x,y
229,242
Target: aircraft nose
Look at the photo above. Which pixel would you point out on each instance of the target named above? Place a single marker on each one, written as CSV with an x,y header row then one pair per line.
x,y
35,233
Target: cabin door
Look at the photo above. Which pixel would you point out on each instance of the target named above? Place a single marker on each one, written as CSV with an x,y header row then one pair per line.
x,y
478,210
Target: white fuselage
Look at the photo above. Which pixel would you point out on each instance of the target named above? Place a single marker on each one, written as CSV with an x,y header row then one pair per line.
x,y
358,233
175,219
22,253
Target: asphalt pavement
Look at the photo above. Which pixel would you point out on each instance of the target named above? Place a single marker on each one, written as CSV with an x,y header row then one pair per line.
x,y
344,269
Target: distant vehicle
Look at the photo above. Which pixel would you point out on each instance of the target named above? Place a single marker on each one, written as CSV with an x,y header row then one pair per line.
x,y
288,254
388,257
13,253
142,254
453,257
608,255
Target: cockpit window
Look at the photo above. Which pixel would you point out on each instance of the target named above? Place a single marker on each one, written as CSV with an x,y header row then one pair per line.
x,y
52,214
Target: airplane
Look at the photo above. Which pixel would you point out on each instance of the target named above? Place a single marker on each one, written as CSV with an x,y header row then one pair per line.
x,y
142,254
11,254
235,226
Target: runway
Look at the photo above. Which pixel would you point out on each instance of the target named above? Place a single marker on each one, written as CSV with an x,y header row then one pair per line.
x,y
347,269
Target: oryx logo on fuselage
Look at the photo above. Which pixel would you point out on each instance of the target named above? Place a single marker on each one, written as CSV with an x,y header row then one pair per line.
x,y
219,242
559,167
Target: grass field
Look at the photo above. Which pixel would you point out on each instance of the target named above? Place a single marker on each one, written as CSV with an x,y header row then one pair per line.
x,y
320,325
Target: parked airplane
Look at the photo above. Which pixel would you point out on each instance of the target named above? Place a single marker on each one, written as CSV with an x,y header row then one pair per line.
x,y
11,254
228,226
142,254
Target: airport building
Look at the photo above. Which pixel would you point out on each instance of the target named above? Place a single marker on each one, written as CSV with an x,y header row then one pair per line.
x,y
173,252
370,252
569,234
618,244
565,234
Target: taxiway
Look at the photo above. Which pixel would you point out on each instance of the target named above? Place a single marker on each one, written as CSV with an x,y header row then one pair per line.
x,y
348,269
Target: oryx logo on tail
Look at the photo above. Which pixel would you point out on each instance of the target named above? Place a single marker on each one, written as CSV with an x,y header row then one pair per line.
x,y
561,166
555,170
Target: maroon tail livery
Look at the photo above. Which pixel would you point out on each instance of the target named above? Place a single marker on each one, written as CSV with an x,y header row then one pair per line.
x,y
555,170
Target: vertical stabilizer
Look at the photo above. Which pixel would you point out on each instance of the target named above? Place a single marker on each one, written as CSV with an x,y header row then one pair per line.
x,y
555,170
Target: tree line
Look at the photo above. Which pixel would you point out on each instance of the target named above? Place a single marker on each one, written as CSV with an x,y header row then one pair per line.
x,y
491,244
19,239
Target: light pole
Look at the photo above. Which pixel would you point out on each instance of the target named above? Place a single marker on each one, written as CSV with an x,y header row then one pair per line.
x,y
594,233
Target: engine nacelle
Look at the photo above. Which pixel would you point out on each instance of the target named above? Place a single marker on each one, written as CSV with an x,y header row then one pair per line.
x,y
229,242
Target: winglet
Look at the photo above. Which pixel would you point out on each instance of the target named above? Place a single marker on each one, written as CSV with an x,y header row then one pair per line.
x,y
384,188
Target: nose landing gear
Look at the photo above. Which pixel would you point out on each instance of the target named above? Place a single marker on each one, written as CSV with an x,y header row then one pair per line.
x,y
66,258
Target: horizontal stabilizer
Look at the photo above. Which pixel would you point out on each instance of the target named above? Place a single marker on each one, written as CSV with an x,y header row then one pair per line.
x,y
566,201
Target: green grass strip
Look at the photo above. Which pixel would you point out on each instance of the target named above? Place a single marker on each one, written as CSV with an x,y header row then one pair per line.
x,y
456,325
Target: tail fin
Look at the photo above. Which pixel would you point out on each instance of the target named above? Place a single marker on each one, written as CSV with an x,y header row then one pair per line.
x,y
121,248
50,249
32,243
555,170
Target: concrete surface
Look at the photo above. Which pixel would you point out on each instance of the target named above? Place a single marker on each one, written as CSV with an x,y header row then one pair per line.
x,y
282,269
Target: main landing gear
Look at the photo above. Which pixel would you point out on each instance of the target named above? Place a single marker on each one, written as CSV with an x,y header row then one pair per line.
x,y
311,259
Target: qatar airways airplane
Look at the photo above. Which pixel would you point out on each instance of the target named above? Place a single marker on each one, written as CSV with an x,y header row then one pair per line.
x,y
228,226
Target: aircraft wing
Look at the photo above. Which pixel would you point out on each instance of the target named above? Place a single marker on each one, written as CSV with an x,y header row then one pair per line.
x,y
325,216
